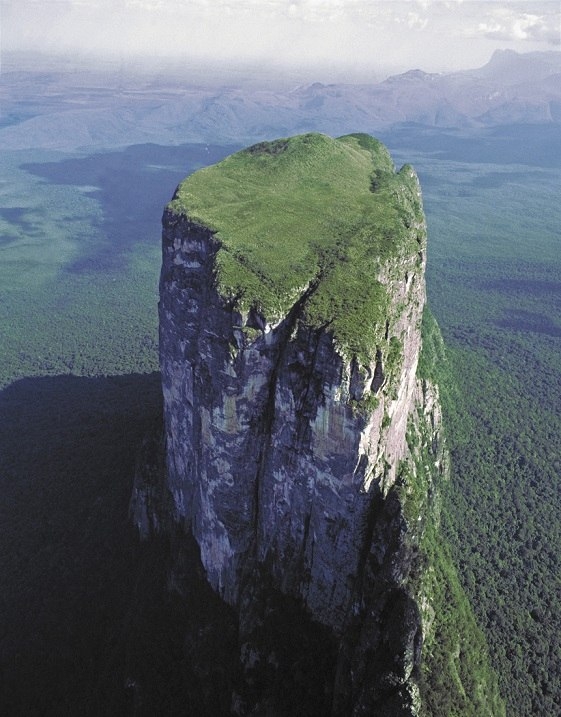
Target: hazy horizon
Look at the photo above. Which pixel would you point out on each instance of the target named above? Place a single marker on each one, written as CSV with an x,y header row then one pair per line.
x,y
326,39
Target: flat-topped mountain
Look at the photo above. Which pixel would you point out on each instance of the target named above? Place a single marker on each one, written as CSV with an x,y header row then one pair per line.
x,y
302,444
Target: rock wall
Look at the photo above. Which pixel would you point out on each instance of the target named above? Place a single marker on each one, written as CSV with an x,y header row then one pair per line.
x,y
285,460
276,443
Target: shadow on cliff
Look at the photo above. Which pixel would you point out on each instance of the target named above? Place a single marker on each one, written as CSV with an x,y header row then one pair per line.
x,y
86,623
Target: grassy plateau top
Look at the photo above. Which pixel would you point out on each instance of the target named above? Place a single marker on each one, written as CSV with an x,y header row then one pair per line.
x,y
308,211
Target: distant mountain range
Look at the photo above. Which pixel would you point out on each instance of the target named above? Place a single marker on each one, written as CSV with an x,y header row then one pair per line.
x,y
69,110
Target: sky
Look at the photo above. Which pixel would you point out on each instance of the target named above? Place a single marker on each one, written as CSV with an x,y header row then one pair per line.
x,y
353,35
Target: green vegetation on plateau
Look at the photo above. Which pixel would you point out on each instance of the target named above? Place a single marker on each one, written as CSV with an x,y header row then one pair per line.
x,y
309,212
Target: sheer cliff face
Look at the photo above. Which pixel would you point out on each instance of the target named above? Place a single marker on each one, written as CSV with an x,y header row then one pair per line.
x,y
277,444
285,446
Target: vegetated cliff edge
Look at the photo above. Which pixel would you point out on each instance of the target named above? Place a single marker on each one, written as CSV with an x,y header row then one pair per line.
x,y
302,448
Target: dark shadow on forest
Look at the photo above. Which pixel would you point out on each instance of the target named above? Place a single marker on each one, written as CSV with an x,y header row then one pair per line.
x,y
133,186
537,145
528,287
68,556
14,215
85,618
528,321
87,625
19,216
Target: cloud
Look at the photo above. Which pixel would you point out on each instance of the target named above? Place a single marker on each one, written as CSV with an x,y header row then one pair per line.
x,y
416,22
512,25
399,34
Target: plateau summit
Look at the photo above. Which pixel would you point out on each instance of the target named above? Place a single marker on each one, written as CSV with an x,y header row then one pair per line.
x,y
302,430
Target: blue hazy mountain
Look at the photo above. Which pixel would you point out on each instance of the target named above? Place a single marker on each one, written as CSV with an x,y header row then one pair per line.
x,y
113,106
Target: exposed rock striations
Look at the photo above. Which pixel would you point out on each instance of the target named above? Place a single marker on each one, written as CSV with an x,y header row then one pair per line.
x,y
292,291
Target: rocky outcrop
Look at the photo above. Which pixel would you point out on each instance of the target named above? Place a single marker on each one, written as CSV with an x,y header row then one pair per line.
x,y
285,456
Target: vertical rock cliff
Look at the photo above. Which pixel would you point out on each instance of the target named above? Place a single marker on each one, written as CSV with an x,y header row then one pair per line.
x,y
292,291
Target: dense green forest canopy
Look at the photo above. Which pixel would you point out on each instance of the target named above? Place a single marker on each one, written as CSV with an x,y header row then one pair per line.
x,y
493,283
